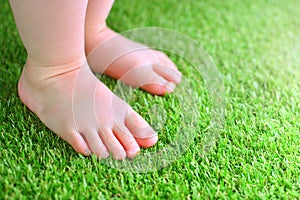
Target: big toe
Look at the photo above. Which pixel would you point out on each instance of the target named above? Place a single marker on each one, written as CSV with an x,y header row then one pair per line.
x,y
165,60
141,130
171,75
166,68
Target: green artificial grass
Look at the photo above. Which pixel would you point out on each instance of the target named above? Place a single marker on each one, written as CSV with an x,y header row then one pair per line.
x,y
255,45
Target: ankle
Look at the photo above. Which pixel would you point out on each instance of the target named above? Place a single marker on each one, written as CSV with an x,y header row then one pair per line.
x,y
36,80
95,35
92,29
38,74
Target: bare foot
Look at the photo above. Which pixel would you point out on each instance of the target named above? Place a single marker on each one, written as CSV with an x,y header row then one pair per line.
x,y
149,69
117,129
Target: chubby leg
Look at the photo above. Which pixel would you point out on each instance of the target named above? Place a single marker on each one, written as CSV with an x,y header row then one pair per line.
x,y
149,69
53,34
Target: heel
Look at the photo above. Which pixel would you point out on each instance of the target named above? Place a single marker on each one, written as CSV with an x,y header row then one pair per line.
x,y
23,94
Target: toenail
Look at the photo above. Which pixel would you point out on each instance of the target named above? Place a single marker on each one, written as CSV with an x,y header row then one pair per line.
x,y
170,86
137,120
105,155
120,157
87,152
178,77
134,152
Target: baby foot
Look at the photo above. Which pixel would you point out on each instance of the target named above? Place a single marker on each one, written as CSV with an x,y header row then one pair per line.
x,y
111,127
138,65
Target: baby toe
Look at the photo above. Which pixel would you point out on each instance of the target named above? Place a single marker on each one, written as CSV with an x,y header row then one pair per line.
x,y
127,140
165,60
78,143
112,144
95,143
140,129
156,84
168,73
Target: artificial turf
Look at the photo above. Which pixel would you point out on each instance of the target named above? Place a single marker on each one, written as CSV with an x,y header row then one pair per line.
x,y
256,47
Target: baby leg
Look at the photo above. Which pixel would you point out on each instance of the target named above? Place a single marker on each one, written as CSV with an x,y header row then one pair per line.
x,y
149,69
53,33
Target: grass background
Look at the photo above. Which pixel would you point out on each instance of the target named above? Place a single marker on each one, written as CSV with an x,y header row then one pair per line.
x,y
255,45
